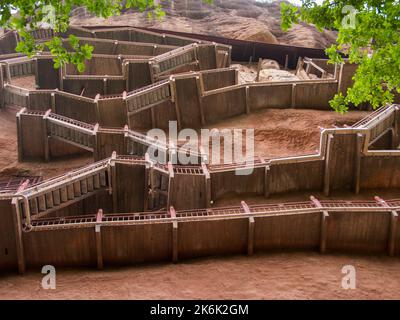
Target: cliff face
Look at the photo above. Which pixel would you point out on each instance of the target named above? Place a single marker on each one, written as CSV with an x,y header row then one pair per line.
x,y
239,19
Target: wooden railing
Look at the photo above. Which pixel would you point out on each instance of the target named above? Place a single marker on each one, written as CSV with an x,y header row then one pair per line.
x,y
174,59
71,131
148,97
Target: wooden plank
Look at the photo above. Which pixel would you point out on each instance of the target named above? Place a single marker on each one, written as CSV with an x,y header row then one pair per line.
x,y
64,194
392,233
18,236
175,241
84,188
248,100
77,189
327,163
49,200
357,165
56,197
42,203
200,100
99,246
70,191
96,181
114,188
324,227
103,179
34,206
250,243
89,183
266,182
293,95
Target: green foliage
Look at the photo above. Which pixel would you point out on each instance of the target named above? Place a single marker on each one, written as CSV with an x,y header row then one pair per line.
x,y
369,33
27,15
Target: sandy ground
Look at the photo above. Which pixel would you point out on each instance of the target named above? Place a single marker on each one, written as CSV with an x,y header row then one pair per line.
x,y
27,82
267,276
287,132
237,19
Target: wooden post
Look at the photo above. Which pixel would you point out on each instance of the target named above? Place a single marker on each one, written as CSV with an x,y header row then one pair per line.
x,y
105,86
357,165
176,103
62,77
53,102
266,181
46,137
18,235
247,100
172,212
96,142
19,136
151,71
115,48
99,246
97,108
395,130
1,87
153,117
113,187
340,78
207,184
250,244
259,69
324,225
170,184
225,60
286,62
8,73
327,163
200,91
394,217
251,225
36,74
147,177
323,234
293,95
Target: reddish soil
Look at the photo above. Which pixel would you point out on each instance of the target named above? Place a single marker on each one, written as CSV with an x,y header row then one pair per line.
x,y
272,276
27,82
287,132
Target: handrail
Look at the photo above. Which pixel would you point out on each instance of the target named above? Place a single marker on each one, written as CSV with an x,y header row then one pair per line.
x,y
233,212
